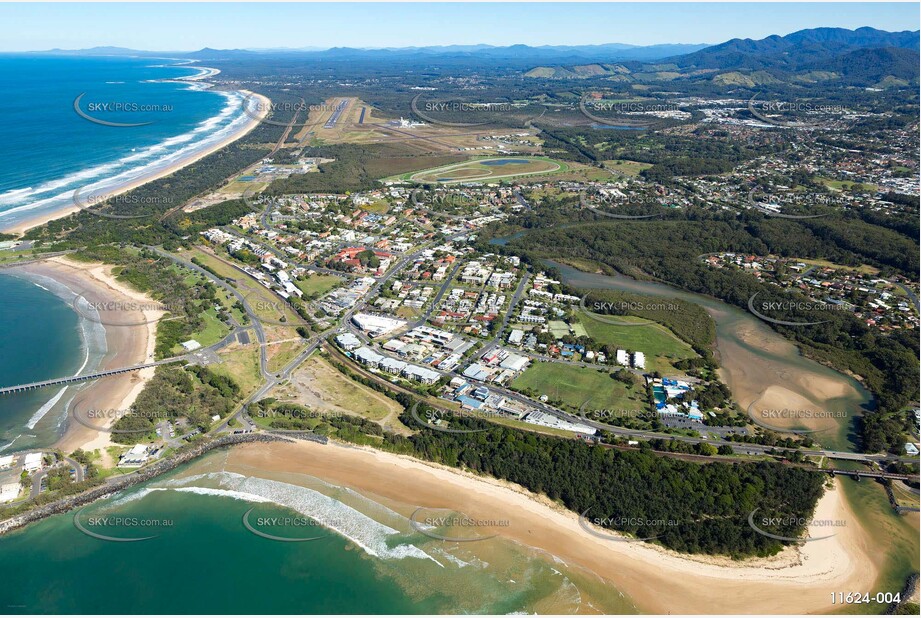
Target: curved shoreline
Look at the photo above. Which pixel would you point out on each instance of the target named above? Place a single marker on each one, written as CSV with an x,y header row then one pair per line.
x,y
123,345
94,342
798,580
252,120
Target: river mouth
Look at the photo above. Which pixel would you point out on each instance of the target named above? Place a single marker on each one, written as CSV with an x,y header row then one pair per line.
x,y
765,372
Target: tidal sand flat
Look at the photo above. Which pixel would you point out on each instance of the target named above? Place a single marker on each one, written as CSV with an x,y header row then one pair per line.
x,y
761,368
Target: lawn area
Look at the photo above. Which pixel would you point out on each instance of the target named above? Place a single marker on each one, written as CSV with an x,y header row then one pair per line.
x,y
214,330
658,343
559,328
627,167
379,207
845,185
864,269
573,386
14,255
242,364
282,353
316,286
407,313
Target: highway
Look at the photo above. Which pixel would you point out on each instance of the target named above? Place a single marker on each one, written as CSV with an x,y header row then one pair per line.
x,y
738,448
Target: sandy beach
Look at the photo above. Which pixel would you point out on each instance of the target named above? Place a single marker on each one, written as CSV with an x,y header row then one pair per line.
x,y
657,580
128,344
253,119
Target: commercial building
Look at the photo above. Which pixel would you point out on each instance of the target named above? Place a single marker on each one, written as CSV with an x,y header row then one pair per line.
x,y
135,458
32,462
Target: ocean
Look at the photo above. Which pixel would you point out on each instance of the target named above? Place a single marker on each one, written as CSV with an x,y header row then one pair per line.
x,y
42,337
59,152
56,153
200,557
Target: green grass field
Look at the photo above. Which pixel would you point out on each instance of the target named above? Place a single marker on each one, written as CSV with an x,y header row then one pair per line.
x,y
15,255
480,170
659,344
626,167
316,286
242,365
576,385
213,331
844,185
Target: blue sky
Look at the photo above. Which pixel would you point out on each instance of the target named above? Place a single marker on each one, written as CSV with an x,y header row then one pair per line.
x,y
188,26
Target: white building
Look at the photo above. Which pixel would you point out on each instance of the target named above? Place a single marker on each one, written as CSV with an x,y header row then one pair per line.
x,y
514,362
376,325
135,458
32,462
348,341
191,345
639,360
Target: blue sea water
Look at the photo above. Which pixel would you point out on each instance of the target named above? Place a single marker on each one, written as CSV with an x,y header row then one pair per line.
x,y
41,337
53,151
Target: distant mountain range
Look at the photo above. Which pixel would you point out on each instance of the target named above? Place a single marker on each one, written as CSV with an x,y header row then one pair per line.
x,y
865,57
798,51
610,52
